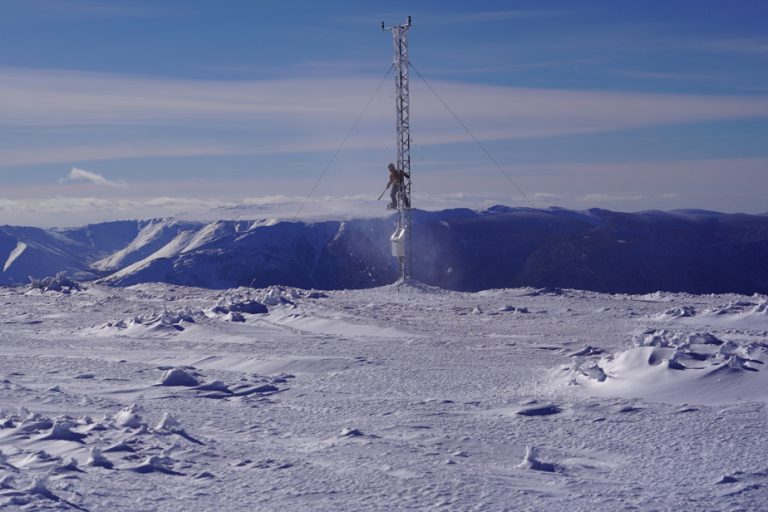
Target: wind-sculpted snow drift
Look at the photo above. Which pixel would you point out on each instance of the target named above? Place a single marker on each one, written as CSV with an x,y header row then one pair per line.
x,y
684,358
693,251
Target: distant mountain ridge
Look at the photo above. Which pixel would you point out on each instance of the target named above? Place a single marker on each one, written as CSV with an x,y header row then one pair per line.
x,y
693,251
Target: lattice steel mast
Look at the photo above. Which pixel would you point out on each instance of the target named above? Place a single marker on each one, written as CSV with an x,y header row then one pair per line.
x,y
402,237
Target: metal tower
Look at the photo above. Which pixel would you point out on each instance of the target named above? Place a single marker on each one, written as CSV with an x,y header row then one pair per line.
x,y
402,237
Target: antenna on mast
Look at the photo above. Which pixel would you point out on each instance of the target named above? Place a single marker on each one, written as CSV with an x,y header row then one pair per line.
x,y
402,237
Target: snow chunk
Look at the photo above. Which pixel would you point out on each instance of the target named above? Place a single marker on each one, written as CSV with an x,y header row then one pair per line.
x,y
594,372
39,487
512,309
154,464
96,459
531,461
178,377
234,316
350,432
677,312
588,350
129,418
168,423
251,307
70,466
62,431
7,482
653,338
539,410
703,338
275,296
215,385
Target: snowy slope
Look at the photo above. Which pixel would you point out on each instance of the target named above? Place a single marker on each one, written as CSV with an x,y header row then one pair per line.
x,y
161,397
466,250
104,238
153,236
311,255
35,252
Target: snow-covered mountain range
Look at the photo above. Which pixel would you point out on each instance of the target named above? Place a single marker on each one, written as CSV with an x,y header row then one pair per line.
x,y
460,249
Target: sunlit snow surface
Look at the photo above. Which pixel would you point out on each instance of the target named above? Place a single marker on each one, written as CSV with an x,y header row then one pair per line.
x,y
158,397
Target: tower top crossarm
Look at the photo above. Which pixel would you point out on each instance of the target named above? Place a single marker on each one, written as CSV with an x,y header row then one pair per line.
x,y
404,25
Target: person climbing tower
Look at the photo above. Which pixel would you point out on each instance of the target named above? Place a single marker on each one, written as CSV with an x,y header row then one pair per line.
x,y
396,184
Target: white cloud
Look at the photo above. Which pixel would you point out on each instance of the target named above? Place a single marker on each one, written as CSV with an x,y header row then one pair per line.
x,y
82,175
545,196
608,197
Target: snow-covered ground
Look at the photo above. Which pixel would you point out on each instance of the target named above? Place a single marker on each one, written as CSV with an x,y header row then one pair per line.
x,y
159,397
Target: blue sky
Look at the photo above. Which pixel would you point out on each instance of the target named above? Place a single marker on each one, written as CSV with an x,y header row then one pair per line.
x,y
115,109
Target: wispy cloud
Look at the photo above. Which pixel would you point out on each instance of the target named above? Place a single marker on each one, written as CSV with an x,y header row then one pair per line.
x,y
611,197
546,196
447,17
500,15
82,175
672,75
750,45
434,18
61,97
740,45
295,115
